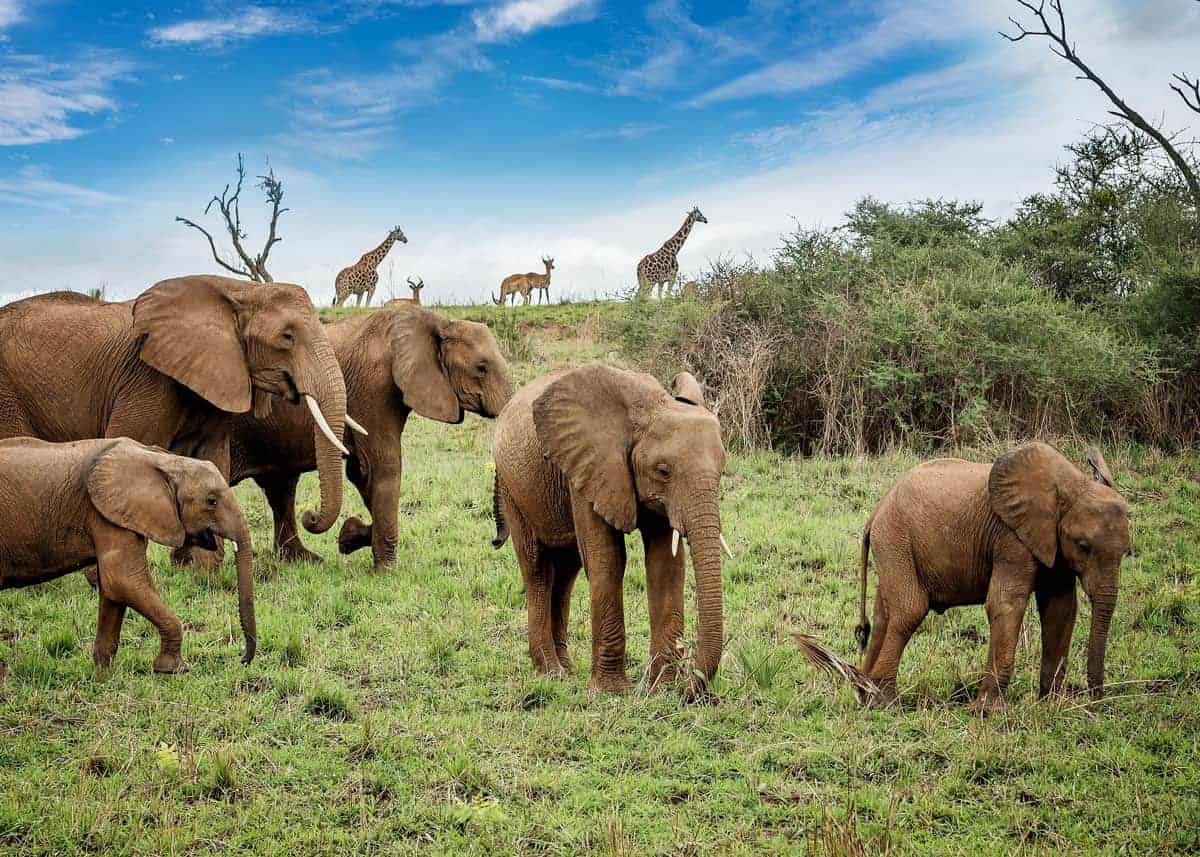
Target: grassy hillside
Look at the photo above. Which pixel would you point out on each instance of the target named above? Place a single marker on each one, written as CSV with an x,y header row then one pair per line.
x,y
398,713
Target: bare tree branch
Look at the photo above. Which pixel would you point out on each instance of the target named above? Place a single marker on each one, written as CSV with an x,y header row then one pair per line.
x,y
1054,30
1189,91
228,206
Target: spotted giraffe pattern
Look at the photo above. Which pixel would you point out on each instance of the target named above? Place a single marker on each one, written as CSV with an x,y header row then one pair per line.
x,y
362,277
661,268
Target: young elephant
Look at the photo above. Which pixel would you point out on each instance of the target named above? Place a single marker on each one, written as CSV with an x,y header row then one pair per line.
x,y
952,532
584,456
395,360
66,506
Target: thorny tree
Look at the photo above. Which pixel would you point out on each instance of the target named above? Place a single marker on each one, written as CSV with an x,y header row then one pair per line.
x,y
228,206
1052,26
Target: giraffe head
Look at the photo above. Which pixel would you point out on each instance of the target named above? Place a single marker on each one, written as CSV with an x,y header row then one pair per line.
x,y
696,216
548,261
397,234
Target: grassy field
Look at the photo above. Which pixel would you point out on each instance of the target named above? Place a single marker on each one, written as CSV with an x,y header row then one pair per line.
x,y
398,713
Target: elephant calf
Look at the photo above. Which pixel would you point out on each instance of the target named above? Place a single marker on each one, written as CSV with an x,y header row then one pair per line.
x,y
953,532
66,506
584,456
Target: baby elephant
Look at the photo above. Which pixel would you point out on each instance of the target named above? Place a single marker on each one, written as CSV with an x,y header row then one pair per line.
x,y
952,532
66,506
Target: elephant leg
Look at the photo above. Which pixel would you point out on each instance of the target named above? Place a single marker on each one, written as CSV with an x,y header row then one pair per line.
x,y
108,631
1056,606
125,578
878,632
385,505
566,563
901,598
1006,603
280,492
538,574
664,593
603,552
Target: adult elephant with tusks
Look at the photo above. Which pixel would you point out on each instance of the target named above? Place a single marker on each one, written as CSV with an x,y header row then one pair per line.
x,y
170,368
584,456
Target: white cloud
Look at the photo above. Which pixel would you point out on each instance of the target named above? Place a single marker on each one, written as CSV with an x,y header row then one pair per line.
x,y
627,131
216,32
560,84
42,101
33,187
10,13
521,17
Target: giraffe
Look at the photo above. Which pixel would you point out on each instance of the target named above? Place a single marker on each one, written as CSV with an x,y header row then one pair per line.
x,y
525,284
362,277
415,300
662,266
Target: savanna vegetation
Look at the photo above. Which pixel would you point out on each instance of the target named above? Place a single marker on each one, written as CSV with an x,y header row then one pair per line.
x,y
398,713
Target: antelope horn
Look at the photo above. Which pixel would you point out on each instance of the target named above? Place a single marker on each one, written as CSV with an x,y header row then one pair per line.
x,y
725,545
355,426
323,425
674,542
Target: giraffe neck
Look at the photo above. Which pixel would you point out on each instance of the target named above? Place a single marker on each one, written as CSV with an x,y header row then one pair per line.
x,y
673,245
374,257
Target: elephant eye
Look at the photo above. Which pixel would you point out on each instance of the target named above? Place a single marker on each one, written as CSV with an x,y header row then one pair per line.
x,y
482,368
663,470
288,336
212,501
1085,545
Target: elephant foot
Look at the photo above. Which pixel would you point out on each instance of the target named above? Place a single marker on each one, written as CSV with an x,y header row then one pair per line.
x,y
546,662
564,659
354,535
103,659
293,551
169,664
987,704
92,575
887,696
619,683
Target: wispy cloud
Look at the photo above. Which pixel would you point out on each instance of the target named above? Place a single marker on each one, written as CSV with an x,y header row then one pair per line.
x,y
247,23
521,17
560,84
351,116
42,101
32,186
627,131
10,13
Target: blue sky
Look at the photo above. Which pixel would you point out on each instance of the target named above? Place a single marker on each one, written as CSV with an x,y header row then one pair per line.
x,y
496,131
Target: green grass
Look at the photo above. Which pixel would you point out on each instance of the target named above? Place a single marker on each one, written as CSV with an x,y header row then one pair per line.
x,y
398,713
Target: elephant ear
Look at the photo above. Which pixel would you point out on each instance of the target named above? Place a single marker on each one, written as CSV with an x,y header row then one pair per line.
x,y
129,488
417,366
585,424
685,388
1025,487
1100,471
190,331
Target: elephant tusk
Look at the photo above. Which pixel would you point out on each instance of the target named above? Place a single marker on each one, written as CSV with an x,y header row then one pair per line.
x,y
355,426
674,542
323,425
725,545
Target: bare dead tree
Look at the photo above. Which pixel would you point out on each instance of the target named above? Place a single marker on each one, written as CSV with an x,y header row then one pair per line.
x,y
1053,28
228,205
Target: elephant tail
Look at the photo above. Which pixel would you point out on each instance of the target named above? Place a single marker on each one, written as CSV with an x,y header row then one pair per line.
x,y
501,524
863,632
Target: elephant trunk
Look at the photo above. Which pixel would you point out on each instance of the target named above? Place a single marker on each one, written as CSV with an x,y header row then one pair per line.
x,y
704,542
328,403
1104,601
235,528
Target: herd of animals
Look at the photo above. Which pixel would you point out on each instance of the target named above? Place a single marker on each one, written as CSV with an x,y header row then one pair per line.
x,y
655,271
127,423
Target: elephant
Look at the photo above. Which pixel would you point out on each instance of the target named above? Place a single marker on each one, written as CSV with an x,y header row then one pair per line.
x,y
169,369
395,361
953,532
66,506
584,456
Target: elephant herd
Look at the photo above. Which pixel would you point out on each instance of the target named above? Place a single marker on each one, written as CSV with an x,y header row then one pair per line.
x,y
127,422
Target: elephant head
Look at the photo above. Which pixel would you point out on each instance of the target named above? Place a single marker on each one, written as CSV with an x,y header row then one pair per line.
x,y
236,344
443,368
175,501
626,445
1070,522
